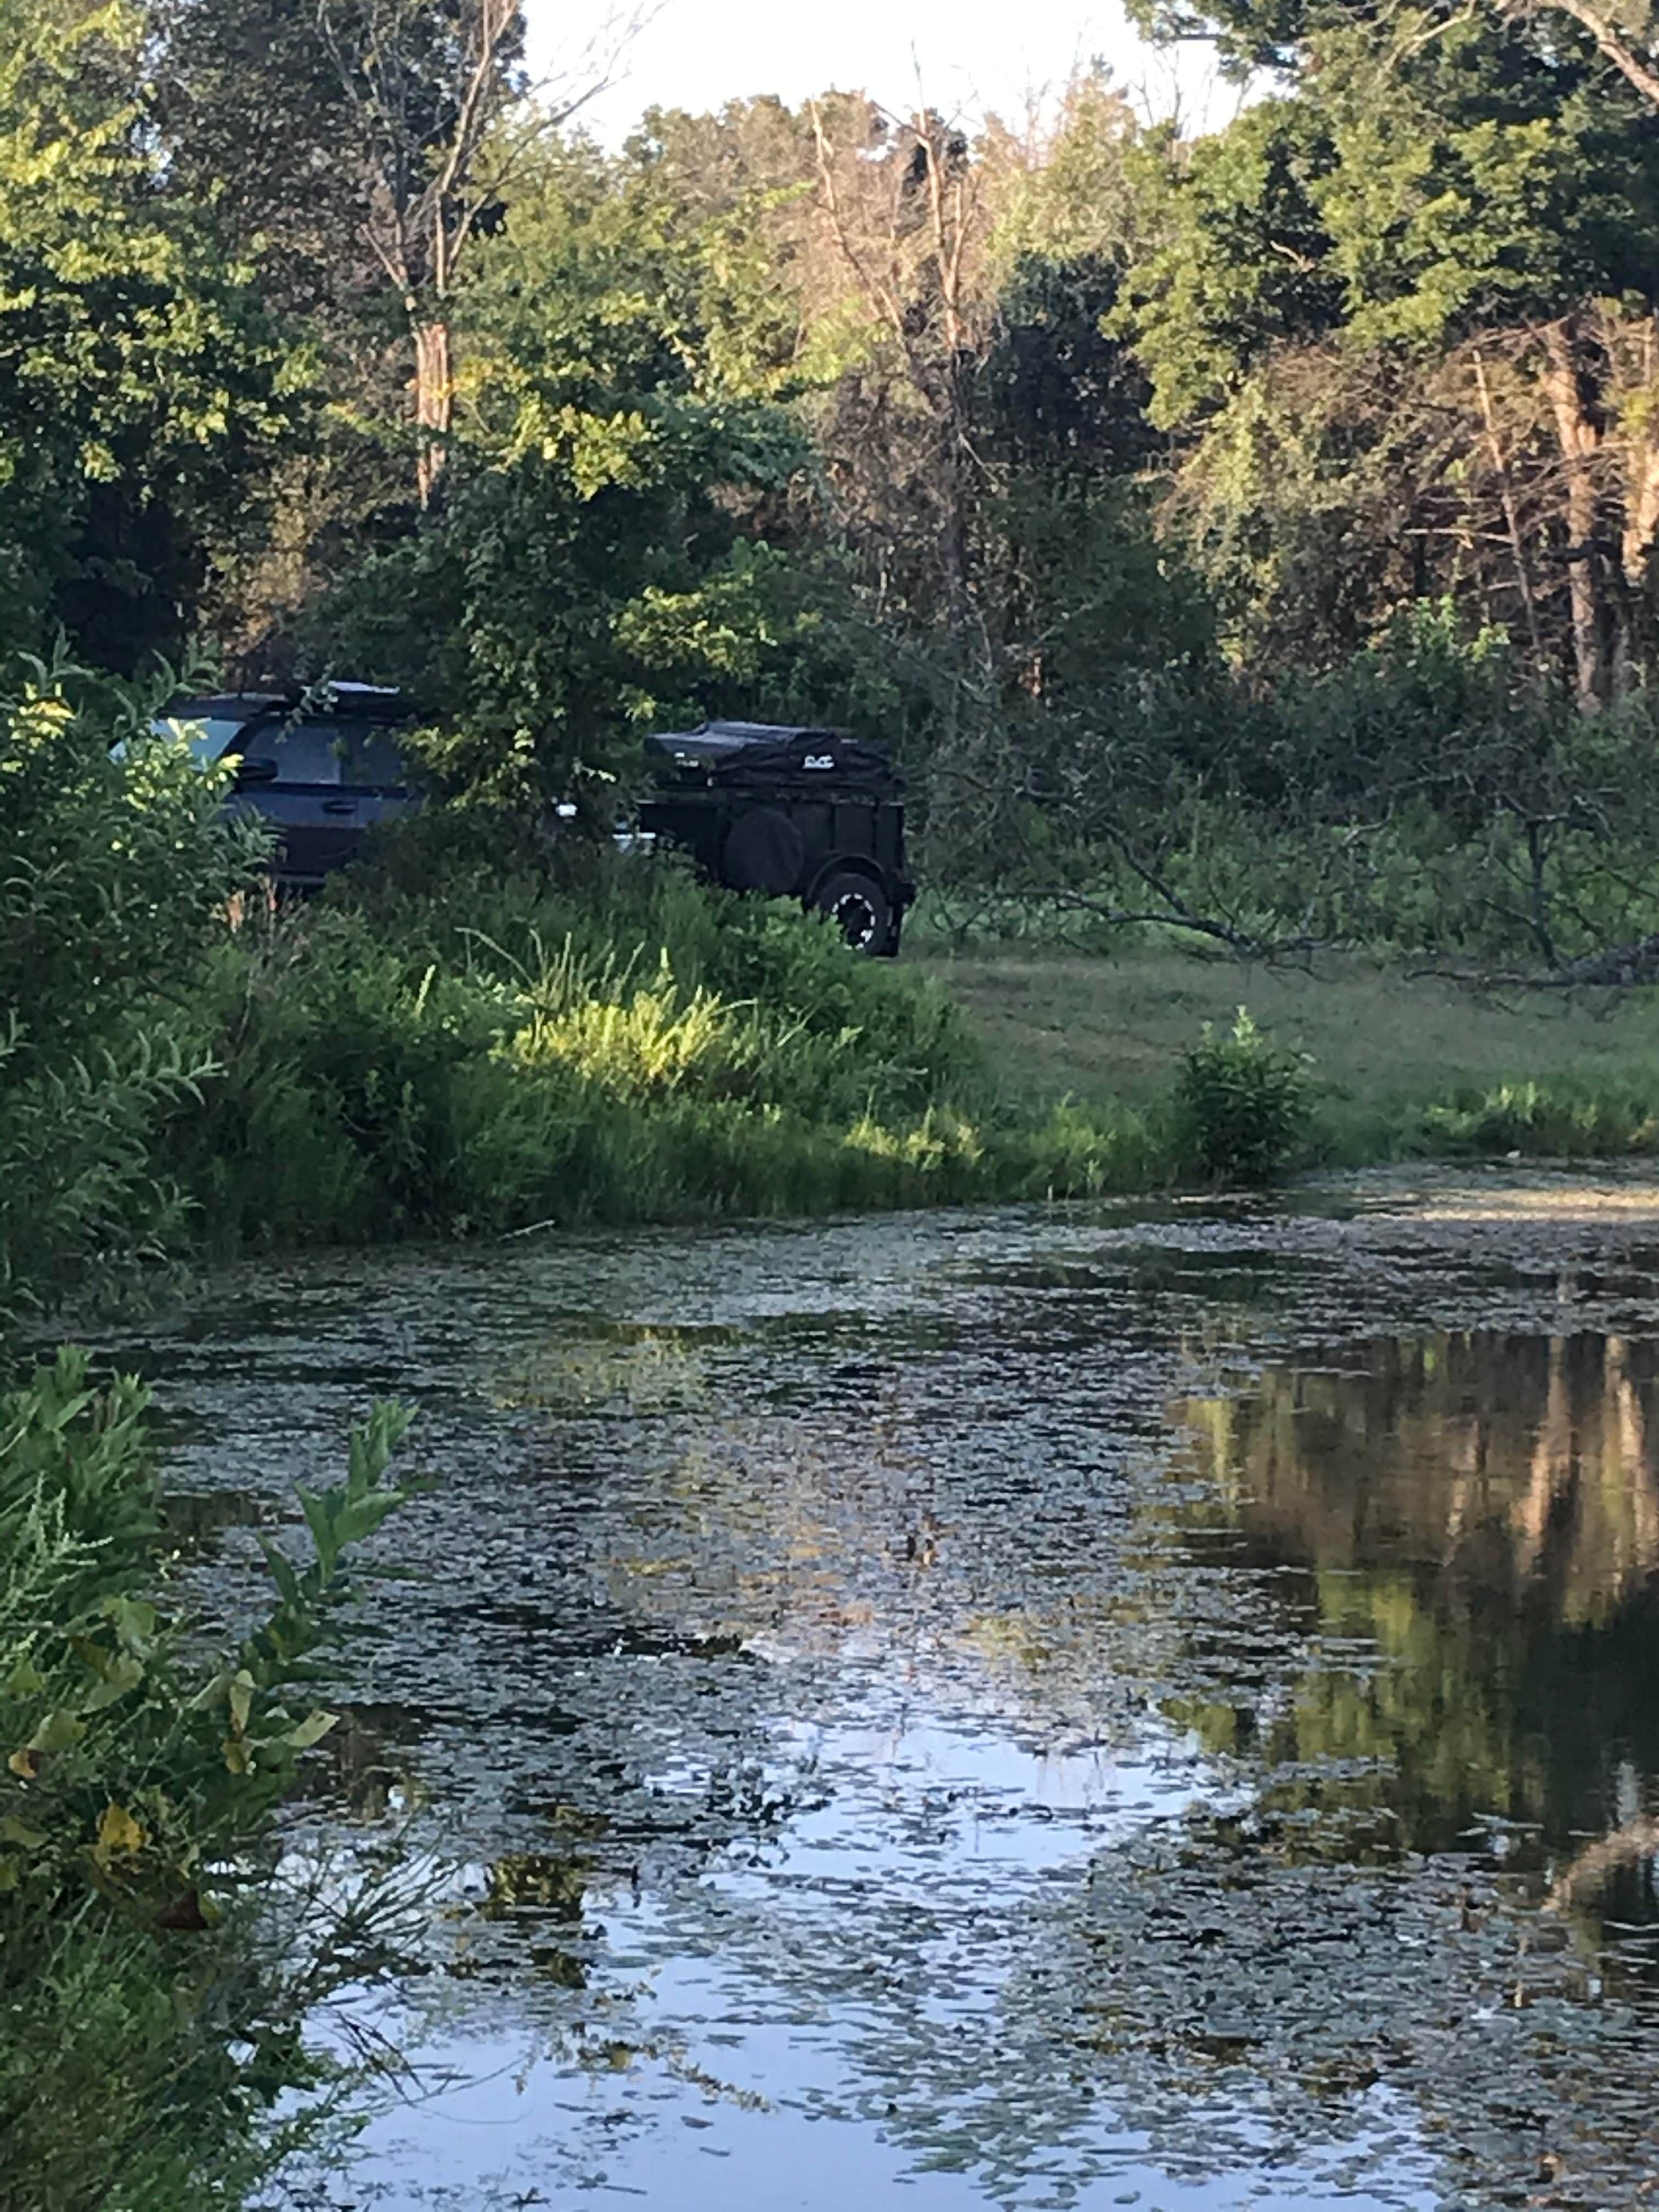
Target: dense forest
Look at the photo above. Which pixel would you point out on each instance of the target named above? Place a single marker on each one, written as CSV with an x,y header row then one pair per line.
x,y
1256,530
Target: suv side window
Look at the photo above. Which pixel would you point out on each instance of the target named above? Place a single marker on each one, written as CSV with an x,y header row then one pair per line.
x,y
370,759
307,752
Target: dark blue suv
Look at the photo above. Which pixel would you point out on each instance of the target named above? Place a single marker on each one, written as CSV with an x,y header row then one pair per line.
x,y
320,769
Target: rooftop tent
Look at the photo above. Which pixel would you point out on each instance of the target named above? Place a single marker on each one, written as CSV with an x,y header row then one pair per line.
x,y
759,752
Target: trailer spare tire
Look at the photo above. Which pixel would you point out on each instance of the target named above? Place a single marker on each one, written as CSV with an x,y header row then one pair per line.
x,y
764,851
862,909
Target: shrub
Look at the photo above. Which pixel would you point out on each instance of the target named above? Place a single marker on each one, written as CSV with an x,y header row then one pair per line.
x,y
116,864
144,2035
1243,1106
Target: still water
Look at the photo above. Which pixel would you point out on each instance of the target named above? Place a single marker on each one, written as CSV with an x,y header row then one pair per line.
x,y
1151,1706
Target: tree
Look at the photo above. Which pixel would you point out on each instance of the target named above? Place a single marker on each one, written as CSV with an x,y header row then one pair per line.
x,y
1471,210
142,385
444,115
600,558
247,104
980,436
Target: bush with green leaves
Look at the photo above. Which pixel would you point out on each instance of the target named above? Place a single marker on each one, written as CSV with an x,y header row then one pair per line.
x,y
116,864
1243,1106
146,2031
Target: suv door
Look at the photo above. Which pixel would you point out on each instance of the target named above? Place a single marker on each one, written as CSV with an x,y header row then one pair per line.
x,y
374,773
305,801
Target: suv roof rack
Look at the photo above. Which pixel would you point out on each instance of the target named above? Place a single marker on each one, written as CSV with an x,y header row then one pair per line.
x,y
369,702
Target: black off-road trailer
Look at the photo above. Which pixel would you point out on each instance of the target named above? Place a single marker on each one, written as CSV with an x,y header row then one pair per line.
x,y
795,813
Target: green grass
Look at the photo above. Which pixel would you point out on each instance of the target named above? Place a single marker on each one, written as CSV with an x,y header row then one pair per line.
x,y
1532,1071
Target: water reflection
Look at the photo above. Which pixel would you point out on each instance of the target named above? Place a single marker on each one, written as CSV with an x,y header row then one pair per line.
x,y
1463,1532
1474,1521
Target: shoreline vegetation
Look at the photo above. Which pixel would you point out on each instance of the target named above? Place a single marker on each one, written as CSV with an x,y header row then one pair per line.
x,y
164,1950
465,1037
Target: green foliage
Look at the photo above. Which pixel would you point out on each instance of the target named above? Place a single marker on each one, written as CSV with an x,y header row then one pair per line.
x,y
1420,796
115,866
646,1050
144,383
1097,1150
719,446
1389,313
1243,1106
1412,184
1240,263
147,2036
592,571
1559,1119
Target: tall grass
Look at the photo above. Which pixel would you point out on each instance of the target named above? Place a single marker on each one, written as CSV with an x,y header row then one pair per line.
x,y
400,1066
1559,1119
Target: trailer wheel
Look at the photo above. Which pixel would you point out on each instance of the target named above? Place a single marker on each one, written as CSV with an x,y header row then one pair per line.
x,y
861,909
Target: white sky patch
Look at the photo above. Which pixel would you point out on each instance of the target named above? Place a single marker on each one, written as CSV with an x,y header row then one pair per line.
x,y
970,57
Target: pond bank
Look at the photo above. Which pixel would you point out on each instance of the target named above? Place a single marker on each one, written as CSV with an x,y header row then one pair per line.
x,y
1387,1047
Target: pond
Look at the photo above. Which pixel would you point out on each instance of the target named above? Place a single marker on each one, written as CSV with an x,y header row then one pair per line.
x,y
1151,1706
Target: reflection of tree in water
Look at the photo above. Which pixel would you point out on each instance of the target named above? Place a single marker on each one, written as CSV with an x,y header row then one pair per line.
x,y
1424,1626
540,1895
1475,1520
1241,1991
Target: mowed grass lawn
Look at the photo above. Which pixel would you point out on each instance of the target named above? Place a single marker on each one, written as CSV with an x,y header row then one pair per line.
x,y
1383,1044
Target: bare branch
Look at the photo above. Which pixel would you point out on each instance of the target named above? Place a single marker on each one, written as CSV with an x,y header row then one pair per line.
x,y
1635,65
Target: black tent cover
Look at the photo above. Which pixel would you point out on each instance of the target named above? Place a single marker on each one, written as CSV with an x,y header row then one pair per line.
x,y
761,753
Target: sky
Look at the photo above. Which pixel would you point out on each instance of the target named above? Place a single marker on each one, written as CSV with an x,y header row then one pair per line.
x,y
970,55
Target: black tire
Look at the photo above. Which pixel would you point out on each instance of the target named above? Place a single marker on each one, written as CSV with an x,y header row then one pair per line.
x,y
862,908
764,851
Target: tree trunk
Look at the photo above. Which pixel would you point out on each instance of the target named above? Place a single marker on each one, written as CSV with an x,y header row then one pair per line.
x,y
434,401
1636,549
1511,517
1580,437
